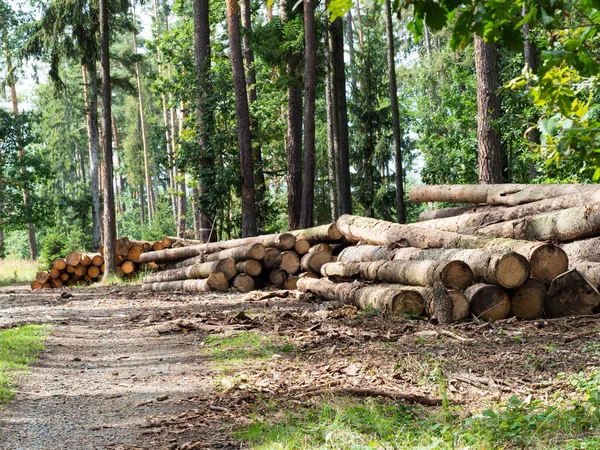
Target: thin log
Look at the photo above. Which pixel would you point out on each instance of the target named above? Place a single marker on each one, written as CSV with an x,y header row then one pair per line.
x,y
445,305
243,282
170,255
250,267
187,262
309,275
546,260
97,259
215,282
367,253
281,241
64,276
322,233
527,301
571,294
157,246
433,214
85,259
368,392
488,302
198,271
243,253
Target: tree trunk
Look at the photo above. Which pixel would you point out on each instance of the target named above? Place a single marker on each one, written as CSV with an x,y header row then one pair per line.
x,y
225,266
110,230
182,208
344,192
118,177
488,302
331,129
546,260
454,274
310,86
243,120
322,233
488,111
91,104
215,282
396,132
530,60
498,194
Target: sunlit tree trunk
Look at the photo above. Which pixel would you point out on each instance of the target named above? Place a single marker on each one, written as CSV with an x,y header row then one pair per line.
x,y
120,183
531,63
331,131
181,188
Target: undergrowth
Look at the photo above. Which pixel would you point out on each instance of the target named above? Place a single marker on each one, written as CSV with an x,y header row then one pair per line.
x,y
244,346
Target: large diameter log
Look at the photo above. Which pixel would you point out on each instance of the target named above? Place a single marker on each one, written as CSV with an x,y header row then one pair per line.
x,y
204,270
80,270
122,246
508,269
166,242
146,245
454,274
527,301
73,258
366,253
60,264
97,259
571,294
546,260
157,246
93,271
488,302
589,269
301,246
568,224
322,233
583,250
496,194
277,277
128,267
313,261
243,282
290,262
134,253
433,214
445,305
86,260
243,253
54,273
271,259
170,255
390,299
250,267
215,282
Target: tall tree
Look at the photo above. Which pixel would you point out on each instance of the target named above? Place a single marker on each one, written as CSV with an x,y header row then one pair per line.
x,y
396,132
243,119
488,112
110,228
181,188
310,86
331,129
531,63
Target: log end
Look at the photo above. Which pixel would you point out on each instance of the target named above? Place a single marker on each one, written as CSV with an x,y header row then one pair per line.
x,y
227,267
571,294
527,301
548,262
457,274
512,270
408,303
488,302
460,305
243,282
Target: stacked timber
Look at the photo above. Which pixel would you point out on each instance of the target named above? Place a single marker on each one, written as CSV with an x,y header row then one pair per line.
x,y
79,268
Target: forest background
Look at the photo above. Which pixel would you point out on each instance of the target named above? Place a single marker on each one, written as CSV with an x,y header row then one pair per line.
x,y
176,111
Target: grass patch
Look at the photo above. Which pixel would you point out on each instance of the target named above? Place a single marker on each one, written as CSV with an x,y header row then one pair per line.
x,y
244,346
341,423
17,271
19,347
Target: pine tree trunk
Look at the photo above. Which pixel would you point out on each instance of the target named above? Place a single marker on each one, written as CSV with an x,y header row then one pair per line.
x,y
396,132
310,85
120,181
331,129
243,120
110,230
530,60
181,187
488,111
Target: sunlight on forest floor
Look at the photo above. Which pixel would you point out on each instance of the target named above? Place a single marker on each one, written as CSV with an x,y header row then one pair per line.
x,y
17,271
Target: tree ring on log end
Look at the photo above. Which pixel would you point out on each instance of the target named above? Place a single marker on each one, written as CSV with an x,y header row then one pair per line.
x,y
512,270
457,274
547,262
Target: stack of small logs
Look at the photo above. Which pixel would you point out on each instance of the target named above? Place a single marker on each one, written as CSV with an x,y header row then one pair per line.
x,y
79,268
245,264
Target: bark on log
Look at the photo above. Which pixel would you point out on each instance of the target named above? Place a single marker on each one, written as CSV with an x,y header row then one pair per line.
x,y
568,224
146,246
453,274
321,247
488,302
291,283
312,262
497,194
571,294
271,259
391,299
527,301
187,262
250,267
308,275
60,264
277,277
243,253
171,255
290,262
282,241
204,270
73,258
589,269
301,247
434,214
445,305
215,282
243,282
546,260
583,250
366,253
322,233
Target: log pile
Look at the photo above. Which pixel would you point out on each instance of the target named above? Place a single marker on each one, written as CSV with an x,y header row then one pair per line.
x,y
79,268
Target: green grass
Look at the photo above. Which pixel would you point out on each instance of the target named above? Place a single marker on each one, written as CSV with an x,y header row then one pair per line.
x,y
243,346
17,271
341,423
19,347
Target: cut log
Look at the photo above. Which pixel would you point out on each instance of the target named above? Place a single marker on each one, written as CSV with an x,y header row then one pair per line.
x,y
250,267
204,270
56,283
60,264
322,233
470,223
54,273
527,301
97,259
243,253
271,259
35,285
102,268
308,275
568,224
171,255
321,247
86,260
73,258
290,262
277,277
433,214
215,282
546,260
166,242
134,253
445,305
571,294
187,262
282,241
366,253
313,261
301,247
128,267
80,270
496,194
291,283
583,250
388,298
93,271
64,277
508,269
243,282
70,269
589,269
488,302
157,246
453,274
122,246
146,246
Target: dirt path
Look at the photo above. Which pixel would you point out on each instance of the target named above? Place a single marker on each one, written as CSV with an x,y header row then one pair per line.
x,y
106,376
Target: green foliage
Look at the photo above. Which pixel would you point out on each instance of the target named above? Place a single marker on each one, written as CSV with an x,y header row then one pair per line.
x,y
54,246
244,346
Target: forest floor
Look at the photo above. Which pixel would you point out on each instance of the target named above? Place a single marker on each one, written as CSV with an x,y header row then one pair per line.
x,y
127,369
